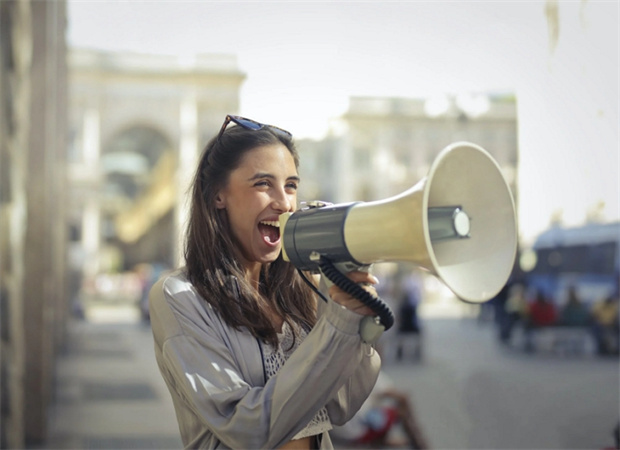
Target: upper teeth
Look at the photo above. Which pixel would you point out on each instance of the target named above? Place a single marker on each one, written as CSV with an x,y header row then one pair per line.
x,y
273,223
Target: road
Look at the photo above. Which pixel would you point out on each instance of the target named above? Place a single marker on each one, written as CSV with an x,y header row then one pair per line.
x,y
468,392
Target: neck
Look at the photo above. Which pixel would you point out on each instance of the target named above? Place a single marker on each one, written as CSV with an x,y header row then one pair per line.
x,y
252,274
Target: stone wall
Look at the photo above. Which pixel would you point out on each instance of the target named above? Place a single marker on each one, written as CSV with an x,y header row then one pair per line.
x,y
33,84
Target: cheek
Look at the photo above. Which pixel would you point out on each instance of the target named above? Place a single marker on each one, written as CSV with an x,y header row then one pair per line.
x,y
243,217
293,201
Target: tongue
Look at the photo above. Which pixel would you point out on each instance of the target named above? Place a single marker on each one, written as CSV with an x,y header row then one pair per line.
x,y
270,234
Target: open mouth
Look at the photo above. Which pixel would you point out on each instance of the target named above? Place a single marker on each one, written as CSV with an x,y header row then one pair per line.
x,y
270,231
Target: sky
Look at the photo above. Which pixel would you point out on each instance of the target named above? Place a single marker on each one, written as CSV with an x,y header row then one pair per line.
x,y
304,60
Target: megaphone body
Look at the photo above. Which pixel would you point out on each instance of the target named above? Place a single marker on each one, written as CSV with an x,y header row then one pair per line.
x,y
458,223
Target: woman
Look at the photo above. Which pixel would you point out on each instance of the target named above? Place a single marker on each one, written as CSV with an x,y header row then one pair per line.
x,y
250,357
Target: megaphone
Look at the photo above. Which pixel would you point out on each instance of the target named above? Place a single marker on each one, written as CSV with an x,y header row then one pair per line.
x,y
458,223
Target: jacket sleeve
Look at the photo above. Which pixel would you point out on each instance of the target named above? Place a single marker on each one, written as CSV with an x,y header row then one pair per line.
x,y
347,401
350,397
198,364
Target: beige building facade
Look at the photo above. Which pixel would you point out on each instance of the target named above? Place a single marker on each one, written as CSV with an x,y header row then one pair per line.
x,y
389,144
137,125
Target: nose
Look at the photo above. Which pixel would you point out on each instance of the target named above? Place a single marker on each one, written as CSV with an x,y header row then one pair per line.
x,y
283,202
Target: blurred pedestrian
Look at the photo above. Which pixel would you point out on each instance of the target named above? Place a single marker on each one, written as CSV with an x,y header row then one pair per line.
x,y
496,307
574,313
515,311
144,272
375,423
409,328
605,324
616,438
540,313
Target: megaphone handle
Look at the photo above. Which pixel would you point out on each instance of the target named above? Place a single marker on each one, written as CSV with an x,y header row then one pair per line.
x,y
372,301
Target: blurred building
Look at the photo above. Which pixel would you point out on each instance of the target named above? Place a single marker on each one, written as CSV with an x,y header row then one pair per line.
x,y
319,168
390,143
137,125
33,200
97,152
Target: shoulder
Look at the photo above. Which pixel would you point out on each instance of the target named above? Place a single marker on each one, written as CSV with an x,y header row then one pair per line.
x,y
173,290
177,309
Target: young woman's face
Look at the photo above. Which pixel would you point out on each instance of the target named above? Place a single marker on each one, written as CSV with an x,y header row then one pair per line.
x,y
258,191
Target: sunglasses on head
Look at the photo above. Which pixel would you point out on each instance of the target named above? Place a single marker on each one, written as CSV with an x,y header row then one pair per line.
x,y
250,124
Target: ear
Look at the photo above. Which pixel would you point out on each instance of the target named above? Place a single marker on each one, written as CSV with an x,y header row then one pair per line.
x,y
220,202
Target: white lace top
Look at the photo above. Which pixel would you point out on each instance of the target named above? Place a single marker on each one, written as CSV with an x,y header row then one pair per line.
x,y
273,359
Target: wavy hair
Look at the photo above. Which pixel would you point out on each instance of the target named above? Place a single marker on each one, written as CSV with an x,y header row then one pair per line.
x,y
212,265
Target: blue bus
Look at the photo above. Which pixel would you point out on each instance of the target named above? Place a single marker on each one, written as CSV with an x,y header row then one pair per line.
x,y
586,258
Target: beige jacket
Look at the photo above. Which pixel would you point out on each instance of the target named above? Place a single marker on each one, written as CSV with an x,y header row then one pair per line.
x,y
216,378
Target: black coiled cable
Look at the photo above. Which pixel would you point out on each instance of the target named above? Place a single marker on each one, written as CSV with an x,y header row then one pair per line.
x,y
353,289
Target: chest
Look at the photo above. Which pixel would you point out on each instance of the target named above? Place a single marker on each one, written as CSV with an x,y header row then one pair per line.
x,y
258,361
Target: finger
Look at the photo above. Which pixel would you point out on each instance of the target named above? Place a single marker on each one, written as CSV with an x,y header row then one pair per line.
x,y
351,303
362,277
334,291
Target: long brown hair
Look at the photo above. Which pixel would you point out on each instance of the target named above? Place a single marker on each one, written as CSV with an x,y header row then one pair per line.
x,y
211,259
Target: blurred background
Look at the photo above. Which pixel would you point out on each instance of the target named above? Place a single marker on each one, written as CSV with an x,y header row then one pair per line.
x,y
106,107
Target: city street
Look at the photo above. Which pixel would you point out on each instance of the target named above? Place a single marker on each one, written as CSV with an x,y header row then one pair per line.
x,y
471,393
468,391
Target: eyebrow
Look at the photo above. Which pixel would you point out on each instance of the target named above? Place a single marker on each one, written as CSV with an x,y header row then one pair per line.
x,y
270,176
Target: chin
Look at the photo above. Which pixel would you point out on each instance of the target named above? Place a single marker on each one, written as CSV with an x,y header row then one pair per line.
x,y
270,257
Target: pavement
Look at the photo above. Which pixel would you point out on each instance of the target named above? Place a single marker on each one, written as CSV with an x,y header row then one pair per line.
x,y
467,390
108,391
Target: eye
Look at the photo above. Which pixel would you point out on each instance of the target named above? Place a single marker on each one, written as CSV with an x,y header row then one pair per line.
x,y
292,186
261,183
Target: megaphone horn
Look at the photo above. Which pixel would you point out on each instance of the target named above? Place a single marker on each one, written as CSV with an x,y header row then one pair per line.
x,y
458,223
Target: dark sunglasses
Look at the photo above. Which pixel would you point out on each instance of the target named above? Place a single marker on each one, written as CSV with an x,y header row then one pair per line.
x,y
250,124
